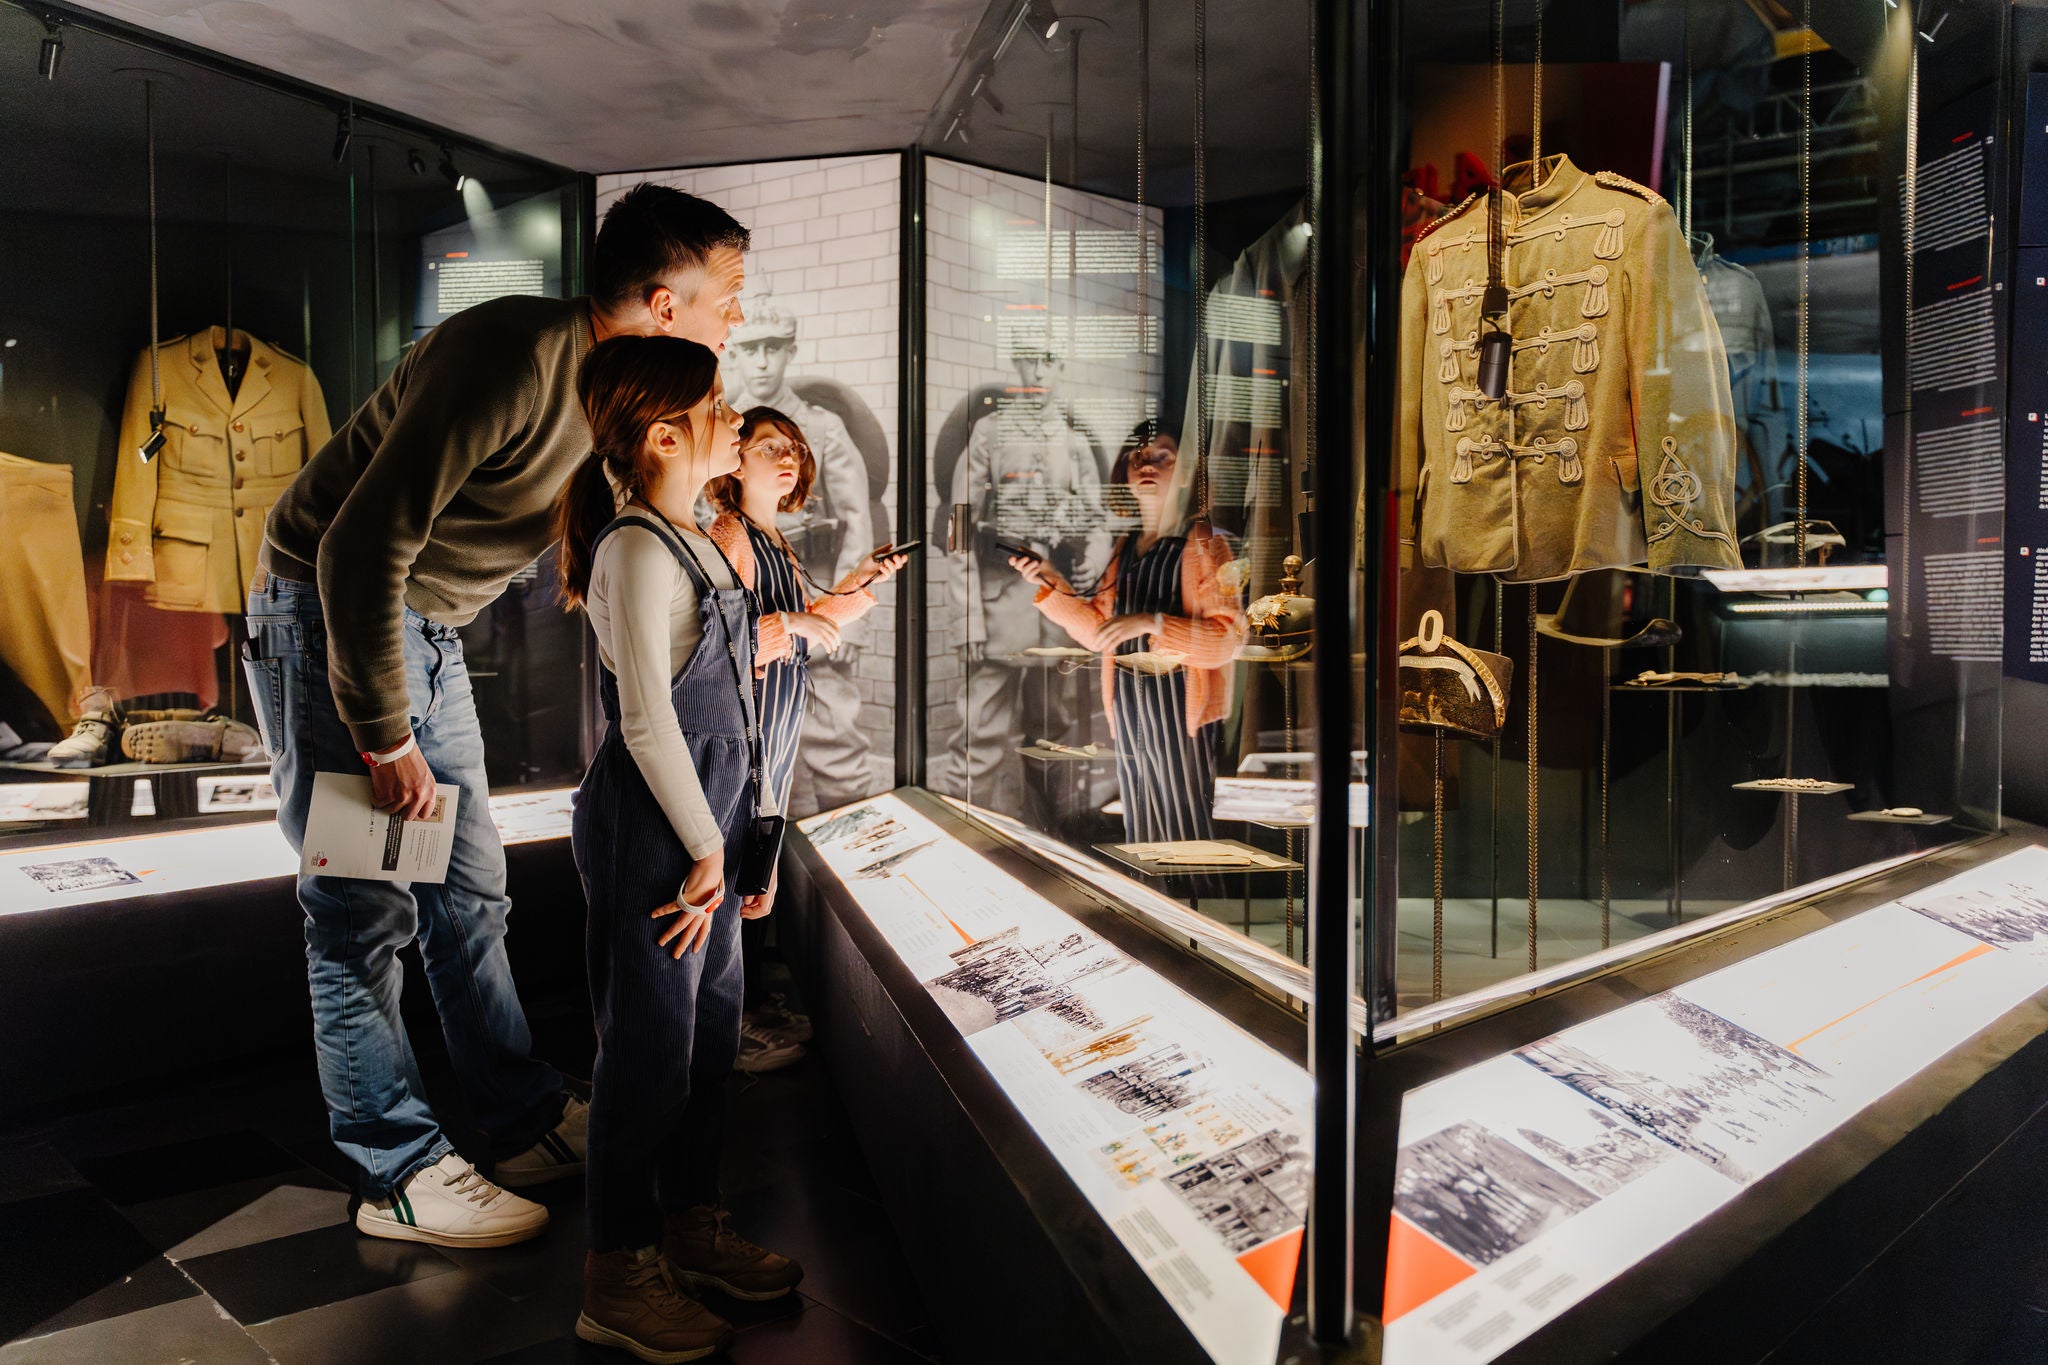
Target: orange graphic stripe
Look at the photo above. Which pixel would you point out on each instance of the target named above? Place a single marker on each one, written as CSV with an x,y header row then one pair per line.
x,y
1950,965
1419,1268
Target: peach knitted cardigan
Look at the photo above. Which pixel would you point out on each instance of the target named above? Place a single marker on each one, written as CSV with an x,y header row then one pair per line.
x,y
729,532
1206,637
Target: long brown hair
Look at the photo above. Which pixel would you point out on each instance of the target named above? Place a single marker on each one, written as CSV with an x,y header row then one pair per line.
x,y
724,491
628,383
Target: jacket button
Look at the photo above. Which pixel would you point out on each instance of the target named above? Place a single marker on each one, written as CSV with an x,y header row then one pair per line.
x,y
127,558
238,426
240,510
238,483
241,454
195,428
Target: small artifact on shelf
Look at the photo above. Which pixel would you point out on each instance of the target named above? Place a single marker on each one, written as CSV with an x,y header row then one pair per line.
x,y
1797,786
1449,686
1089,750
1900,815
1650,677
1058,652
1902,812
1152,662
1282,623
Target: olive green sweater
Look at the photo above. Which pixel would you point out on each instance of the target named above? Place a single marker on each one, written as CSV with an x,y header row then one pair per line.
x,y
435,493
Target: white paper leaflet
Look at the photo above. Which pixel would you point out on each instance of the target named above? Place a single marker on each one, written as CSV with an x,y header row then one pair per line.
x,y
1528,1181
1187,1135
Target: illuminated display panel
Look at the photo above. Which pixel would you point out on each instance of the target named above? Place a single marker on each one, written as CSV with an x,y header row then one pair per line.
x,y
1188,1136
72,874
1528,1181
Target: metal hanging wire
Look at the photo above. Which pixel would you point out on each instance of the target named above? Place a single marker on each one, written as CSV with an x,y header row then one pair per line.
x,y
1805,270
155,440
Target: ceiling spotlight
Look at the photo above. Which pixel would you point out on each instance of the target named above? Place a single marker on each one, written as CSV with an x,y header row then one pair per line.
x,y
448,171
344,132
1043,19
52,52
416,162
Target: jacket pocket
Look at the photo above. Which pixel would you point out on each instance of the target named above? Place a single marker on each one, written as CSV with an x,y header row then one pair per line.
x,y
280,445
182,545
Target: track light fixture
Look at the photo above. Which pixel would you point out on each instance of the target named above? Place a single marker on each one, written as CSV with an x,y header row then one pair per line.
x,y
52,51
344,132
415,162
1043,19
448,171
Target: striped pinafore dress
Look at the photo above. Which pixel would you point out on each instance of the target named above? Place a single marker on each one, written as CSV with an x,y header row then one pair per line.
x,y
1168,777
785,689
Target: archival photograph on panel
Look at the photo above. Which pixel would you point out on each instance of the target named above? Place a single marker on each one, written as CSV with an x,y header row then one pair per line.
x,y
1714,1090
1250,1194
1479,1194
2001,903
819,344
1158,1082
1001,977
1603,1163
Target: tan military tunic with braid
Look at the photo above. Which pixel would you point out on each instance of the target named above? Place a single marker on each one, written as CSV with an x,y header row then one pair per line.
x,y
1615,444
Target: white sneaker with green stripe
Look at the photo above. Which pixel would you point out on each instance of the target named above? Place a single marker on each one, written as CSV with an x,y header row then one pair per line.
x,y
558,1154
449,1204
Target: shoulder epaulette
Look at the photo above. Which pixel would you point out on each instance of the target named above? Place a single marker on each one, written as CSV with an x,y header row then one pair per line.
x,y
1615,181
1462,205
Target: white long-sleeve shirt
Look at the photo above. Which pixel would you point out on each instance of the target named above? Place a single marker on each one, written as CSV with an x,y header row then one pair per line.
x,y
643,606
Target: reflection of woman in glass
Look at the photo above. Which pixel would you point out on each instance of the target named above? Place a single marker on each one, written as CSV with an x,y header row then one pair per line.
x,y
1168,628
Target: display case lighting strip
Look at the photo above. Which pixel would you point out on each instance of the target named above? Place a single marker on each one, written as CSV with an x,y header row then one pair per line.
x,y
1808,608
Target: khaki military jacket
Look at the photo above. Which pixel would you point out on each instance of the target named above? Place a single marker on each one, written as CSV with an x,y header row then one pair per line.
x,y
190,522
1615,444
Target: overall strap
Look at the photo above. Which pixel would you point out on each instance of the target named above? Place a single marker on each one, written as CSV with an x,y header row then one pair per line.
x,y
673,539
705,590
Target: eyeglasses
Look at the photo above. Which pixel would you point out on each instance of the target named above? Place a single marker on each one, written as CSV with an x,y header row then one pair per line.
x,y
779,450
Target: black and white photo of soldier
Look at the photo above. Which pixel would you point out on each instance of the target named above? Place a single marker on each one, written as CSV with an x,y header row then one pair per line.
x,y
1031,476
841,522
1717,1092
1479,1194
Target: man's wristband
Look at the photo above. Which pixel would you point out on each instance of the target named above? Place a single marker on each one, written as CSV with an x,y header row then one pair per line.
x,y
390,756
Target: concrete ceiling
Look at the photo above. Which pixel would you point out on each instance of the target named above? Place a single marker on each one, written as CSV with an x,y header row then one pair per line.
x,y
607,85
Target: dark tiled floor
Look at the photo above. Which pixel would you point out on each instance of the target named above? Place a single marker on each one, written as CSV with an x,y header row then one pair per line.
x,y
210,1225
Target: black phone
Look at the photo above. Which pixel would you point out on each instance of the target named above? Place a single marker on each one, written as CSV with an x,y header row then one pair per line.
x,y
903,549
1011,548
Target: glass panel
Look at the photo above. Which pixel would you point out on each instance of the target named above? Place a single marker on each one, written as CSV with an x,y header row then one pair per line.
x,y
1117,376
287,272
1719,581
819,345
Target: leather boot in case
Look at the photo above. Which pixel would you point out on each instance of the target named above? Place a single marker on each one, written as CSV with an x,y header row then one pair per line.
x,y
631,1304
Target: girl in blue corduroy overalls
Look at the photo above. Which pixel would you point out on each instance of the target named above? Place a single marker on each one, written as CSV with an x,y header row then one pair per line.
x,y
659,821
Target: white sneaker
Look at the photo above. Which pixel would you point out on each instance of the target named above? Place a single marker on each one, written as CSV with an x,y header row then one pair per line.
x,y
94,740
558,1155
762,1051
448,1204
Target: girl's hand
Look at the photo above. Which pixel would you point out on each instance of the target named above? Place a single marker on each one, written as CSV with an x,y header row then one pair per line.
x,y
822,633
1041,573
874,571
1118,629
702,890
757,907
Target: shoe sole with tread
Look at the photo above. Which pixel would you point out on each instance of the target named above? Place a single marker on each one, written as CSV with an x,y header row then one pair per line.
x,y
371,1226
697,1280
599,1335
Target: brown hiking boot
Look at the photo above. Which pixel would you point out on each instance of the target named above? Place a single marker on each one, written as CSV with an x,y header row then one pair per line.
x,y
703,1252
213,740
631,1304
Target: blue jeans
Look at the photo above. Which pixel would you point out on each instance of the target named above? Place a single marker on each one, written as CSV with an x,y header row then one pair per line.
x,y
377,1109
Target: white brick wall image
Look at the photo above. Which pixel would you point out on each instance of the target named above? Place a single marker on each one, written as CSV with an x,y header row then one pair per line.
x,y
825,245
991,286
